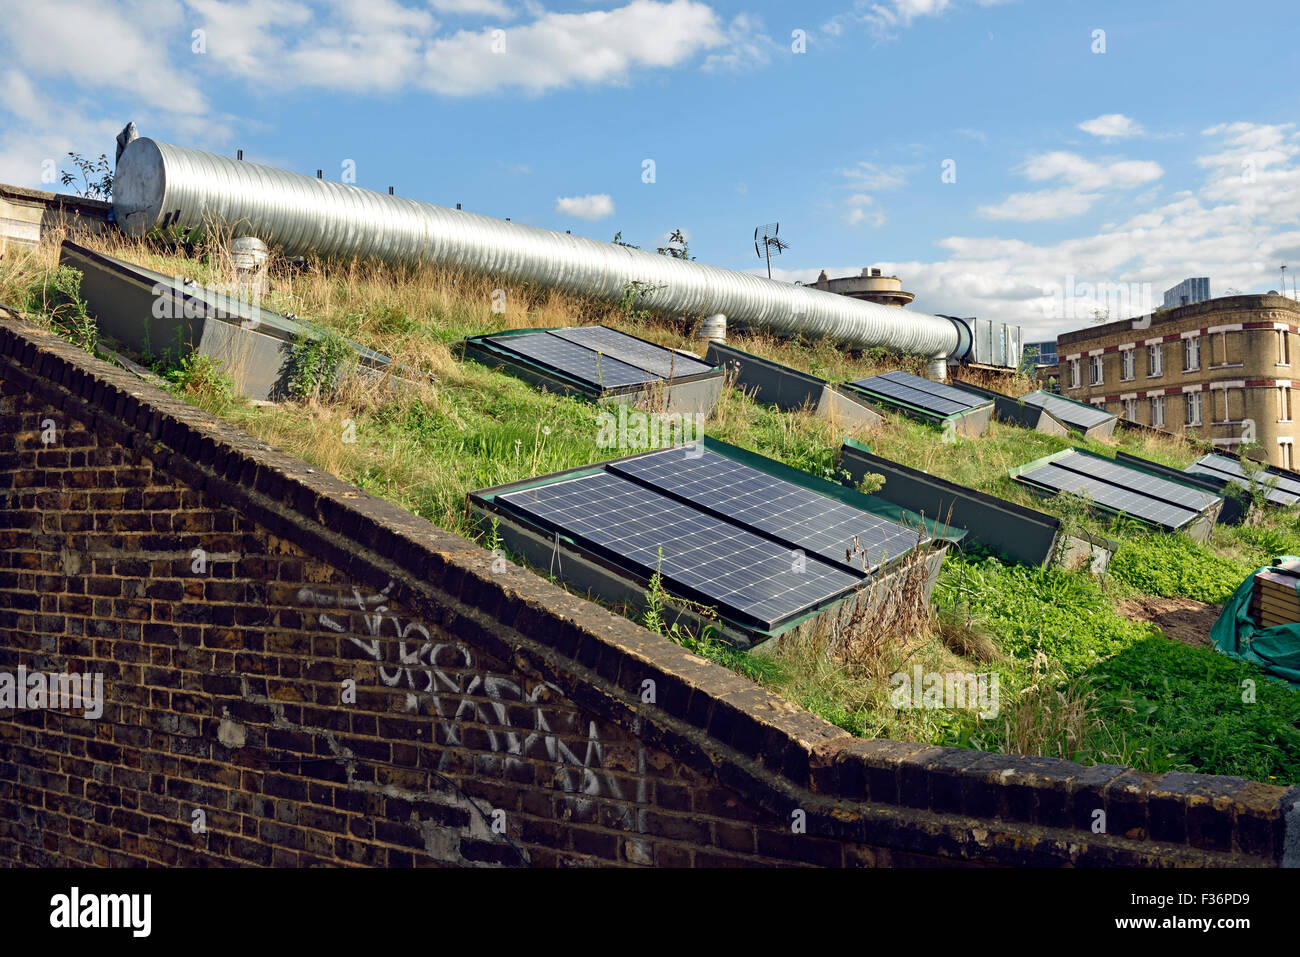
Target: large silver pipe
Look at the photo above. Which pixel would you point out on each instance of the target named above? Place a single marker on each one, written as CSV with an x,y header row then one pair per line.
x,y
158,184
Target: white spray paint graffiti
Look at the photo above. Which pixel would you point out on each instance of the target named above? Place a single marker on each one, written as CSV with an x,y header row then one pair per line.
x,y
432,669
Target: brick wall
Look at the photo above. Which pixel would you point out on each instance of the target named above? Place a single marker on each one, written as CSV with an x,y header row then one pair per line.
x,y
299,673
1236,383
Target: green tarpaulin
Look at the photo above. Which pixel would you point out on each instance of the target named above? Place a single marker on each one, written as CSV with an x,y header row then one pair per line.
x,y
1276,649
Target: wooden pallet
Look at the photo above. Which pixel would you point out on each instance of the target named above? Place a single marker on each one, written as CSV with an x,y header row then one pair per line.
x,y
1274,600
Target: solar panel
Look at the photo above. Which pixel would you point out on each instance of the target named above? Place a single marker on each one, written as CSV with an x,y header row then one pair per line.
x,y
1110,496
703,558
937,389
1074,414
636,352
915,397
1233,468
578,361
805,519
1134,480
1275,495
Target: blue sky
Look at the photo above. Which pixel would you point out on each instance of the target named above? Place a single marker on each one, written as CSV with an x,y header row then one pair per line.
x,y
1077,177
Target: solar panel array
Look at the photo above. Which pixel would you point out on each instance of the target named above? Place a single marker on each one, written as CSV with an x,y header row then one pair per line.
x,y
1074,414
921,392
813,522
600,357
1284,491
644,355
1111,485
699,556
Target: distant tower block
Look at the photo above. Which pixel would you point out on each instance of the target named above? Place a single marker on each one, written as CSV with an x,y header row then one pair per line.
x,y
871,286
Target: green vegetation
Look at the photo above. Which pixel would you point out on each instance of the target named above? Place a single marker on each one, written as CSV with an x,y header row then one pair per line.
x,y
322,357
1174,566
1076,677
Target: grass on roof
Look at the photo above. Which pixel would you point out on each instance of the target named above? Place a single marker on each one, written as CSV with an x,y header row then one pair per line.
x,y
1076,678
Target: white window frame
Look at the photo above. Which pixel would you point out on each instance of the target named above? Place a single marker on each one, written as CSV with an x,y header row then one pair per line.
x,y
1155,361
1131,409
1283,347
1192,402
1158,411
1096,370
1191,353
1285,449
1074,373
1284,403
1127,365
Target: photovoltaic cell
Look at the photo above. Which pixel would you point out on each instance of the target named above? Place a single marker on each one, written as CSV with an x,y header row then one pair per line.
x,y
1231,468
601,371
1275,495
1133,480
662,362
1103,493
1073,414
914,397
803,518
937,389
698,556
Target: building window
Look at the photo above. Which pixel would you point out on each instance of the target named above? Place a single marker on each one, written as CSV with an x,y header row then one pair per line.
x,y
1126,365
1095,370
1283,403
1285,449
1131,410
1099,403
1193,403
1155,361
1074,373
1283,346
1225,348
1191,354
1158,411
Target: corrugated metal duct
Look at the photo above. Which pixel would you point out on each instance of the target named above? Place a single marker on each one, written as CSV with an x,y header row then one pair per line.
x,y
158,184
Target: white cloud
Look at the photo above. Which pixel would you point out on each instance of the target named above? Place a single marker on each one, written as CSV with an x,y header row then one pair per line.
x,y
107,47
1085,181
1112,126
482,8
381,45
870,176
863,209
1039,205
746,47
592,206
1230,228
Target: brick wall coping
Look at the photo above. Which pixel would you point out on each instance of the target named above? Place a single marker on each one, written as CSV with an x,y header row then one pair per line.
x,y
1254,303
950,802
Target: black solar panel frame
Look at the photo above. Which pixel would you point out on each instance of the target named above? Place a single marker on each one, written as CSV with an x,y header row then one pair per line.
x,y
1138,482
1232,468
540,343
628,349
1154,511
822,569
879,551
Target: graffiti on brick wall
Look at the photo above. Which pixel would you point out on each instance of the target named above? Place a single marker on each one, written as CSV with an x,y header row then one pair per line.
x,y
409,657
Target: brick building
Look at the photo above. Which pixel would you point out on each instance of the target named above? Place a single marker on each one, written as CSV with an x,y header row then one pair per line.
x,y
1221,370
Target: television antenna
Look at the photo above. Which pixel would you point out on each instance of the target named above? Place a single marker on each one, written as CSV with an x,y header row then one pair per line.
x,y
765,241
